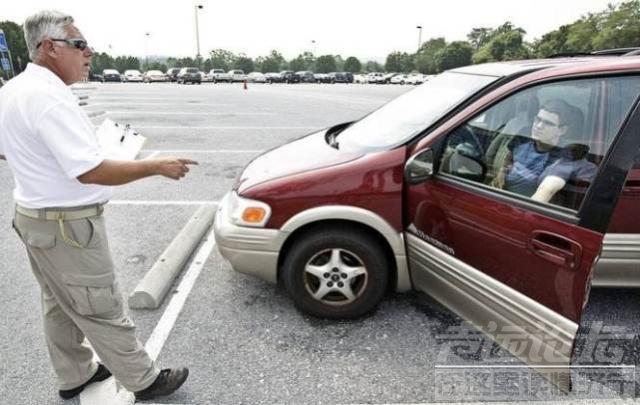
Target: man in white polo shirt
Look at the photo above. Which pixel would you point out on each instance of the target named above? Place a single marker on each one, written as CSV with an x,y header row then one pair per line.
x,y
62,180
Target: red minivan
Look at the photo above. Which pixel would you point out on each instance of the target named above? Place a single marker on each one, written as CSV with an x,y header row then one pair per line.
x,y
490,187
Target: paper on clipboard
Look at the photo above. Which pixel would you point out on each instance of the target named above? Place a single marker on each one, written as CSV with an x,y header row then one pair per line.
x,y
119,142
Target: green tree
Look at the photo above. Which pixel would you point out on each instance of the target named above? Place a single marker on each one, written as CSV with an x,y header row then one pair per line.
x,y
304,61
101,61
425,59
274,62
479,36
352,65
17,45
339,63
619,27
503,43
244,63
399,62
222,59
454,55
373,66
155,65
326,64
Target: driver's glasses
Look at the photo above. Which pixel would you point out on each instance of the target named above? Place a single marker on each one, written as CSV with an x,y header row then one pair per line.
x,y
77,43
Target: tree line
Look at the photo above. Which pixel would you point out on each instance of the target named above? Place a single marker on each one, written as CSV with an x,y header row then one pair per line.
x,y
615,27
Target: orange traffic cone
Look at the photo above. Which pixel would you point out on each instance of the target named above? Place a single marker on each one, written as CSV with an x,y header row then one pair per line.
x,y
245,84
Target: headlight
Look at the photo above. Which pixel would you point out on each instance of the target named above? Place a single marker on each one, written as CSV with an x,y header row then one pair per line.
x,y
246,212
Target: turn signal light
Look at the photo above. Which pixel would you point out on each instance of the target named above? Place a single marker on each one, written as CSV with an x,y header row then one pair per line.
x,y
253,215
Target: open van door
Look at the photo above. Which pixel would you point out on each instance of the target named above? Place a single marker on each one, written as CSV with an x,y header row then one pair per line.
x,y
515,265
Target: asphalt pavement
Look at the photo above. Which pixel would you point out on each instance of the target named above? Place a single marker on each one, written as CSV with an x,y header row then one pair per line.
x,y
242,339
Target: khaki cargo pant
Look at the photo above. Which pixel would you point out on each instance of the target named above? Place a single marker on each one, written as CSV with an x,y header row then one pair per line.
x,y
81,298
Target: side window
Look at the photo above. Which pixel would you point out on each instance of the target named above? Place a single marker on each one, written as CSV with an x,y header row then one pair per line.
x,y
544,143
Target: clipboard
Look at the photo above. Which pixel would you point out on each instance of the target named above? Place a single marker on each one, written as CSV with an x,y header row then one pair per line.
x,y
119,142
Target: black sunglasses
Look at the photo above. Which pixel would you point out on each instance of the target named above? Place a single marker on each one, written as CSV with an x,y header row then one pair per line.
x,y
77,43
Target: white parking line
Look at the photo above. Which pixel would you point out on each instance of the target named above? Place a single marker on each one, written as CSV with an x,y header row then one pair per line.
x,y
107,392
222,127
163,102
125,112
155,152
162,202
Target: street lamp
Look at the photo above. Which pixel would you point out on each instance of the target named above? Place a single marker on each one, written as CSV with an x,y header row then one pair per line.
x,y
313,46
197,7
146,50
419,27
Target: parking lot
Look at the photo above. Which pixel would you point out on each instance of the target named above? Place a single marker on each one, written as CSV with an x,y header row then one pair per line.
x,y
242,339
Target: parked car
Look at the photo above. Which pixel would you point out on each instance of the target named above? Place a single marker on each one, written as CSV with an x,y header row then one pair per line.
x,y
189,75
419,204
154,76
172,74
415,78
306,76
374,77
93,77
111,75
132,75
218,75
289,76
399,79
256,77
322,78
273,77
340,77
236,75
360,79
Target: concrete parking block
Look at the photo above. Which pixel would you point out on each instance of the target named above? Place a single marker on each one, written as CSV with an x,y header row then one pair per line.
x,y
152,289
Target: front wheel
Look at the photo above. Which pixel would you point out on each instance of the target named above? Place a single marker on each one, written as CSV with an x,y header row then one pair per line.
x,y
336,273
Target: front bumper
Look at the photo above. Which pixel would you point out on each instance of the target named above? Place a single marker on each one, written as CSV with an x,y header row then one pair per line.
x,y
252,251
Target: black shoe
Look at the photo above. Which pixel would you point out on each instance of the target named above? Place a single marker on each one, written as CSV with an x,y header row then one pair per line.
x,y
101,374
167,382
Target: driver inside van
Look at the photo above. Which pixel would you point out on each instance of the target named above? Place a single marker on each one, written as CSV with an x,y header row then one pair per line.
x,y
538,167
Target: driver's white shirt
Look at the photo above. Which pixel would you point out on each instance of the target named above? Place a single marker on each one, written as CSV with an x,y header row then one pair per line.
x,y
48,141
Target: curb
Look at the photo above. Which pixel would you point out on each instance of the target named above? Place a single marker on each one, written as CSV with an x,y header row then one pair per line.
x,y
152,289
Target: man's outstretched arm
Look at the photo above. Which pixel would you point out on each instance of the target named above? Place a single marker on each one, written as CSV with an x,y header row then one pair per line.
x,y
115,172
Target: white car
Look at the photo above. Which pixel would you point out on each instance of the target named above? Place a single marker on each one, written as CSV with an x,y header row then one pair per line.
x,y
360,79
415,78
218,75
374,77
256,77
236,75
132,75
154,76
399,79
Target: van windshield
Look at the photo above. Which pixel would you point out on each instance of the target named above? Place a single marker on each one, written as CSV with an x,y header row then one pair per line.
x,y
406,116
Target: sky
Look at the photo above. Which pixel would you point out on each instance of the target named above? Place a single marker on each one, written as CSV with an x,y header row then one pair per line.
x,y
367,29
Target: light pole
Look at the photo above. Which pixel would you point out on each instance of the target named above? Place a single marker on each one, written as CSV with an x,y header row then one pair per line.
x,y
313,46
197,7
146,51
419,27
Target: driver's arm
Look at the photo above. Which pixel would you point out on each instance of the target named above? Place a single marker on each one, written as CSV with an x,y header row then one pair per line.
x,y
547,189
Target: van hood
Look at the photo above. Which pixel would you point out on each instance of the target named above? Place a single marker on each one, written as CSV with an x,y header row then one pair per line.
x,y
307,153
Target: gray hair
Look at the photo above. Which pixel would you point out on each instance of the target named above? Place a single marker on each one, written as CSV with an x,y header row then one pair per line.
x,y
45,24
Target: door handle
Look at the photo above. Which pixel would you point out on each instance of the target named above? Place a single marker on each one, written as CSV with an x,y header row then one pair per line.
x,y
555,248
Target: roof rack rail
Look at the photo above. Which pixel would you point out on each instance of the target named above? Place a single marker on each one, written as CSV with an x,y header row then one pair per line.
x,y
603,52
616,51
568,54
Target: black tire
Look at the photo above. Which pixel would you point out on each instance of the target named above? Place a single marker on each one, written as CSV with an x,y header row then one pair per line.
x,y
350,249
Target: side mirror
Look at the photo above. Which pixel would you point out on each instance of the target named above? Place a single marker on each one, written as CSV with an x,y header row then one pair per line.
x,y
419,167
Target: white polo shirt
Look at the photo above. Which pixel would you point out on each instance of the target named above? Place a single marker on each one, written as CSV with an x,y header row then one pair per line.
x,y
48,141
